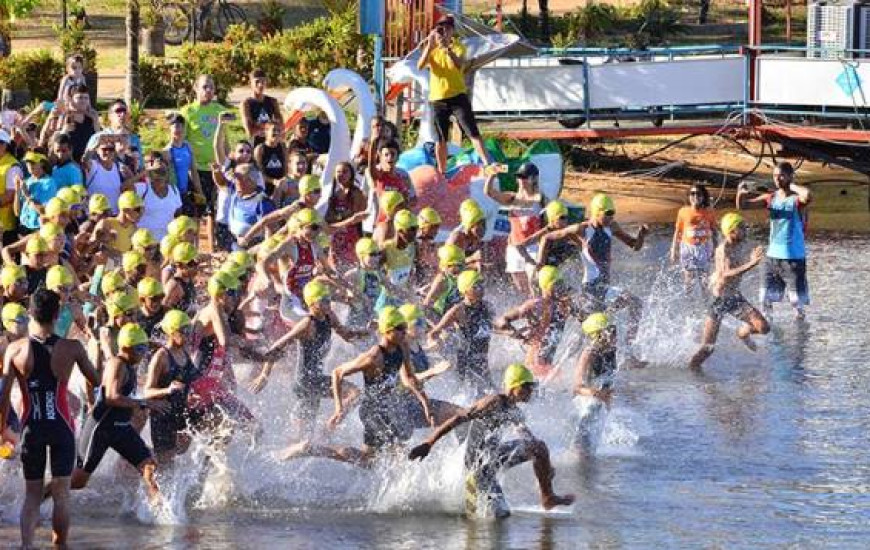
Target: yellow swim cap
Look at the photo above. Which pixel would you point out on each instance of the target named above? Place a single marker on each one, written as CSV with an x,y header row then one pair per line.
x,y
517,375
450,255
181,225
309,184
234,269
142,239
130,199
81,191
314,292
55,207
149,287
389,319
112,281
174,321
467,279
50,230
120,303
131,335
184,253
390,202
69,196
411,312
601,203
470,213
730,222
404,220
36,244
555,210
429,216
167,243
131,260
12,273
242,258
220,282
98,204
548,276
12,314
306,217
366,247
595,323
58,276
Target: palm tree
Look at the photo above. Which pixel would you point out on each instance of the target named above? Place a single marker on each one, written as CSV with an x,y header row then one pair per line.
x,y
132,89
544,9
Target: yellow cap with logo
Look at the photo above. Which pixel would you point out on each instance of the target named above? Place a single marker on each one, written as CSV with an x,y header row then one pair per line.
x,y
306,217
601,203
467,279
12,314
315,291
429,216
181,225
129,200
309,184
366,247
120,303
242,258
730,222
220,282
184,253
595,323
404,220
36,244
57,277
517,375
411,312
174,321
98,204
131,260
131,335
470,213
548,276
142,239
112,282
389,319
149,287
390,202
555,210
56,207
450,255
12,273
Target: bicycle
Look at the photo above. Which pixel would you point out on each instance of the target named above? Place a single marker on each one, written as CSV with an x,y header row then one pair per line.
x,y
179,21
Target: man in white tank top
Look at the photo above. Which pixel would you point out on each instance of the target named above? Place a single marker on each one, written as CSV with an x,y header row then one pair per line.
x,y
107,176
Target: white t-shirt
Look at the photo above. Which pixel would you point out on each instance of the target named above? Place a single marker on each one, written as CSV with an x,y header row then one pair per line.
x,y
107,182
158,212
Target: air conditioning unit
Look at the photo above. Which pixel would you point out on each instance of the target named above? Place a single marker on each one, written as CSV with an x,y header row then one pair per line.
x,y
835,29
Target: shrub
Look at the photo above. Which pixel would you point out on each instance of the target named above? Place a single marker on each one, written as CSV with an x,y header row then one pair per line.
x,y
37,71
158,79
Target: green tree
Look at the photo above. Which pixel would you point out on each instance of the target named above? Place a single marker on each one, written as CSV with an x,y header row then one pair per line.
x,y
9,11
132,89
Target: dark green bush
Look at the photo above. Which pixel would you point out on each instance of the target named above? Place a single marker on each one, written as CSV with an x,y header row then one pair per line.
x,y
37,71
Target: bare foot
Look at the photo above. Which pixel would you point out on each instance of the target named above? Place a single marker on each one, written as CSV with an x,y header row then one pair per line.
x,y
556,500
747,341
296,450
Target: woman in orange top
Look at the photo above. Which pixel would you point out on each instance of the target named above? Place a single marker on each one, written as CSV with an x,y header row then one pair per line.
x,y
695,238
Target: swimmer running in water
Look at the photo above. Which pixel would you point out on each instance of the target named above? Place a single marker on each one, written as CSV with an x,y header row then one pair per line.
x,y
486,454
42,364
382,404
593,388
732,262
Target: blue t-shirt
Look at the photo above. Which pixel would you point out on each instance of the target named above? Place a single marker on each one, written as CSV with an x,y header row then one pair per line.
x,y
245,212
41,191
182,159
67,175
786,228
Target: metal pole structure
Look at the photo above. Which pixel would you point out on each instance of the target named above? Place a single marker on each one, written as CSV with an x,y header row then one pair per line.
x,y
499,16
64,15
755,23
379,70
